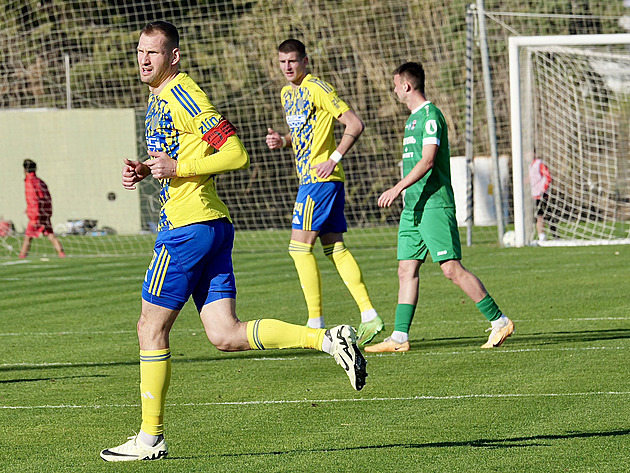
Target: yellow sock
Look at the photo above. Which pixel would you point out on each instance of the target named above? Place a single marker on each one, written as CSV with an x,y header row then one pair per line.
x,y
155,377
310,277
350,272
264,334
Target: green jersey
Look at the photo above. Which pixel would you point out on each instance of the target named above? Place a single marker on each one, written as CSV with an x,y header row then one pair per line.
x,y
426,126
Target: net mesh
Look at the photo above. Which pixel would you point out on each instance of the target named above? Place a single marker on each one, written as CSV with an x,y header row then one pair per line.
x,y
81,54
581,112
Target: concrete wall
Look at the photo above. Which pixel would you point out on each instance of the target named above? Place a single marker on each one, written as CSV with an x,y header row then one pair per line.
x,y
79,154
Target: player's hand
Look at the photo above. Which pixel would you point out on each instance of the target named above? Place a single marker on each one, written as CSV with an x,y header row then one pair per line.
x,y
387,197
162,166
132,173
273,139
325,169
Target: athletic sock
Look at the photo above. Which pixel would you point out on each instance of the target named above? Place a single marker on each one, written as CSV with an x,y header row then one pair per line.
x,y
155,377
368,315
500,322
315,322
264,334
404,316
350,273
150,440
309,275
489,308
400,337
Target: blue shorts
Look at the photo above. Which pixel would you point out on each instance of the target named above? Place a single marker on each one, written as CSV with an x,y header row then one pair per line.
x,y
192,260
319,207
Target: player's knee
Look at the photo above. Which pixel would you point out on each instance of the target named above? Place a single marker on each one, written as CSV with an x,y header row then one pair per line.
x,y
150,331
452,270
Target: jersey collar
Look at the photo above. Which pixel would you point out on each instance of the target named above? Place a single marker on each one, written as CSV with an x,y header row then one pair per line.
x,y
415,110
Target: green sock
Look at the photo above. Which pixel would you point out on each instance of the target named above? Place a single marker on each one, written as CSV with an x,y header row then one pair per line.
x,y
404,316
489,308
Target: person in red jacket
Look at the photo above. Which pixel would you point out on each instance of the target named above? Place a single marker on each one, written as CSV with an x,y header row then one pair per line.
x,y
539,182
38,210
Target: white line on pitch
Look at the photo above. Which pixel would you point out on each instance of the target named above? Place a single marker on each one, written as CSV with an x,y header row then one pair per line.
x,y
200,330
302,401
314,354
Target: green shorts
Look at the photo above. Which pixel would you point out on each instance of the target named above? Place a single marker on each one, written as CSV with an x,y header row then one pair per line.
x,y
430,231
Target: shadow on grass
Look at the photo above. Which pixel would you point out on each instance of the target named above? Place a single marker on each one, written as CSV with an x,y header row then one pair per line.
x,y
541,338
473,343
56,378
178,358
512,442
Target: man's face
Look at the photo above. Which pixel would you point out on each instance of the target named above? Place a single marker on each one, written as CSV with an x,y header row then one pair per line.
x,y
156,61
293,68
400,88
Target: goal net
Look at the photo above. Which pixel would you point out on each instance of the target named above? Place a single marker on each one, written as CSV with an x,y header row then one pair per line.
x,y
570,98
79,55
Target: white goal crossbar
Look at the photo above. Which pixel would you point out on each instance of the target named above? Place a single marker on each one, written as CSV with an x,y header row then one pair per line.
x,y
516,44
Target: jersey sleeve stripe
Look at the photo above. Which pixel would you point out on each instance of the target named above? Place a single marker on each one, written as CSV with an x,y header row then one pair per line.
x,y
431,140
186,101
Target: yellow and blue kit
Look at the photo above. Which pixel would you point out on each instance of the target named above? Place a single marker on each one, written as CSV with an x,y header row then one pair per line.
x,y
193,249
311,110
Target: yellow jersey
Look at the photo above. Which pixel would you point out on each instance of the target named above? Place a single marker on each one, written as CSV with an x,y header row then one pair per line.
x,y
311,110
182,122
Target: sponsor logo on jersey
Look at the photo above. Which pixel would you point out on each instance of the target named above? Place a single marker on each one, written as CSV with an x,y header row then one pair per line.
x,y
295,121
154,143
410,140
408,155
431,127
208,124
412,125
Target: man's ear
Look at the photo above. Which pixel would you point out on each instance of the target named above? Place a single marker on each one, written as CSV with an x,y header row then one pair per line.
x,y
176,57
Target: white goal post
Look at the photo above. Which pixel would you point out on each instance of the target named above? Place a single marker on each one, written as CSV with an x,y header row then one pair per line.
x,y
570,105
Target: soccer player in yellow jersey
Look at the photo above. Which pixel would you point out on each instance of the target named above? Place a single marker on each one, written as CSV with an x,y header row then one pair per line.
x,y
312,106
190,142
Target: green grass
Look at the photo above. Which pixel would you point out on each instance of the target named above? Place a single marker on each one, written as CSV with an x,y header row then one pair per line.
x,y
553,398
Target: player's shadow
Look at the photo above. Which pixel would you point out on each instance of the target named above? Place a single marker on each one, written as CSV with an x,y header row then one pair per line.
x,y
576,336
49,378
211,355
510,442
520,339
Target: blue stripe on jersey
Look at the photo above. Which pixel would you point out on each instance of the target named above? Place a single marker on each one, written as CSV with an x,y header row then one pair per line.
x,y
186,100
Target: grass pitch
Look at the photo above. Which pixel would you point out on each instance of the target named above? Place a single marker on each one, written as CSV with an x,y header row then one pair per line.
x,y
553,398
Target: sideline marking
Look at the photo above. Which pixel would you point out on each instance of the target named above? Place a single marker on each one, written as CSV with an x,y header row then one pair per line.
x,y
315,354
300,401
60,364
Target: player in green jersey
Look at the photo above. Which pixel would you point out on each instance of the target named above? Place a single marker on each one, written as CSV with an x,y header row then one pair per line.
x,y
428,223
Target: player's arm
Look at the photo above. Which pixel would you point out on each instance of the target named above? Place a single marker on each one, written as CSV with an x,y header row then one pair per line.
x,y
429,152
354,127
231,156
544,170
32,207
